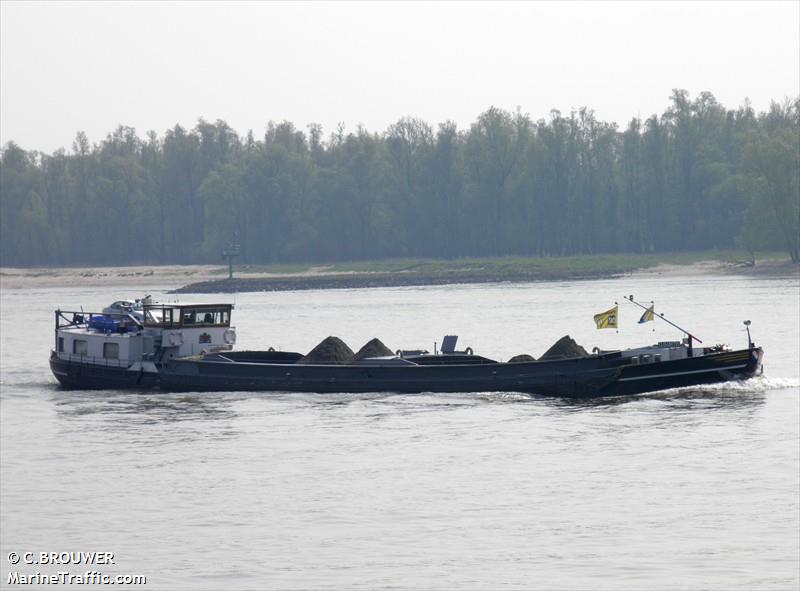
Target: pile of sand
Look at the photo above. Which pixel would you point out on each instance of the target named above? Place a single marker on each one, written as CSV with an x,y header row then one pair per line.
x,y
565,348
331,351
374,348
524,358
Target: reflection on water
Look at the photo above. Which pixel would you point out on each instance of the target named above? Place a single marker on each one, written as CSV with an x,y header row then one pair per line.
x,y
151,406
143,406
154,405
691,399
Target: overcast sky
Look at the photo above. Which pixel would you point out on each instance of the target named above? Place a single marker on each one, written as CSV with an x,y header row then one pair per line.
x,y
70,66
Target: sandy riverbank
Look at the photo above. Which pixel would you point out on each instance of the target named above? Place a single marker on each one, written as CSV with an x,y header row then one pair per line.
x,y
170,276
174,277
167,277
767,267
207,278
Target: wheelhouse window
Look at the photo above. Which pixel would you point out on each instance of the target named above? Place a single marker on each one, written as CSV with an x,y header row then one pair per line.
x,y
154,317
60,344
111,350
80,347
164,316
209,316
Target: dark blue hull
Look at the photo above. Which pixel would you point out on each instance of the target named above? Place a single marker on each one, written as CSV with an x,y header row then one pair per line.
x,y
694,371
87,376
598,375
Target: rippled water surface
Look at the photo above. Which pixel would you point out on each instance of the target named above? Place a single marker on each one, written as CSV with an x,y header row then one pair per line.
x,y
685,489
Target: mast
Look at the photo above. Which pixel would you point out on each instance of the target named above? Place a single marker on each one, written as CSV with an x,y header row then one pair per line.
x,y
661,316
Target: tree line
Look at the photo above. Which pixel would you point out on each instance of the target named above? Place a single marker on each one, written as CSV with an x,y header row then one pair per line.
x,y
699,176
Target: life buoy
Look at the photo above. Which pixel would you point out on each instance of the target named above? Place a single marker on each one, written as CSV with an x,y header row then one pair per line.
x,y
271,349
468,351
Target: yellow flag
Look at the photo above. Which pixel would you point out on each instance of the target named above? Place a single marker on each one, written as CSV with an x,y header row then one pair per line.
x,y
607,319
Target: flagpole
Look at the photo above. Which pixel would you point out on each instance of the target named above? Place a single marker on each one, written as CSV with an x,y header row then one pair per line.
x,y
683,330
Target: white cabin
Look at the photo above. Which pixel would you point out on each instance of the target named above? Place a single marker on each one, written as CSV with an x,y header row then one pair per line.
x,y
134,341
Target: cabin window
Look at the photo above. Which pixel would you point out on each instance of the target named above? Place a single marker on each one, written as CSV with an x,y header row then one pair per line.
x,y
209,317
111,350
153,317
162,317
80,347
60,344
201,316
173,316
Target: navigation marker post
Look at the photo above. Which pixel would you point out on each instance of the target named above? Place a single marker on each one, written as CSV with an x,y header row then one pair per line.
x,y
230,252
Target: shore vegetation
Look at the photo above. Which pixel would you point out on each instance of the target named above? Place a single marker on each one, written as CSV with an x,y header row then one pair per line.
x,y
697,177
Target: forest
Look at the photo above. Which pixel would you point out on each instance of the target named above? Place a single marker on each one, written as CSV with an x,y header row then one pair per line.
x,y
696,177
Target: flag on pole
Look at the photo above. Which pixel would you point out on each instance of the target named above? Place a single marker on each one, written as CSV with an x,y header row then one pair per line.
x,y
607,319
648,315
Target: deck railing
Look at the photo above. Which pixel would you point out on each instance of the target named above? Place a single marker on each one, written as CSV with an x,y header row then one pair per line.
x,y
67,318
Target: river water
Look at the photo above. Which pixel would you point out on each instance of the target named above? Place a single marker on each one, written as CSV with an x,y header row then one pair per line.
x,y
686,489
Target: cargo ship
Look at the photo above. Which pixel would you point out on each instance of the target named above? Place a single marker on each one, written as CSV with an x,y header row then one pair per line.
x,y
189,347
127,343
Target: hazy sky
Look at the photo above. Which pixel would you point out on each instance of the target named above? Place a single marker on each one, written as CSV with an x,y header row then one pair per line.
x,y
69,66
